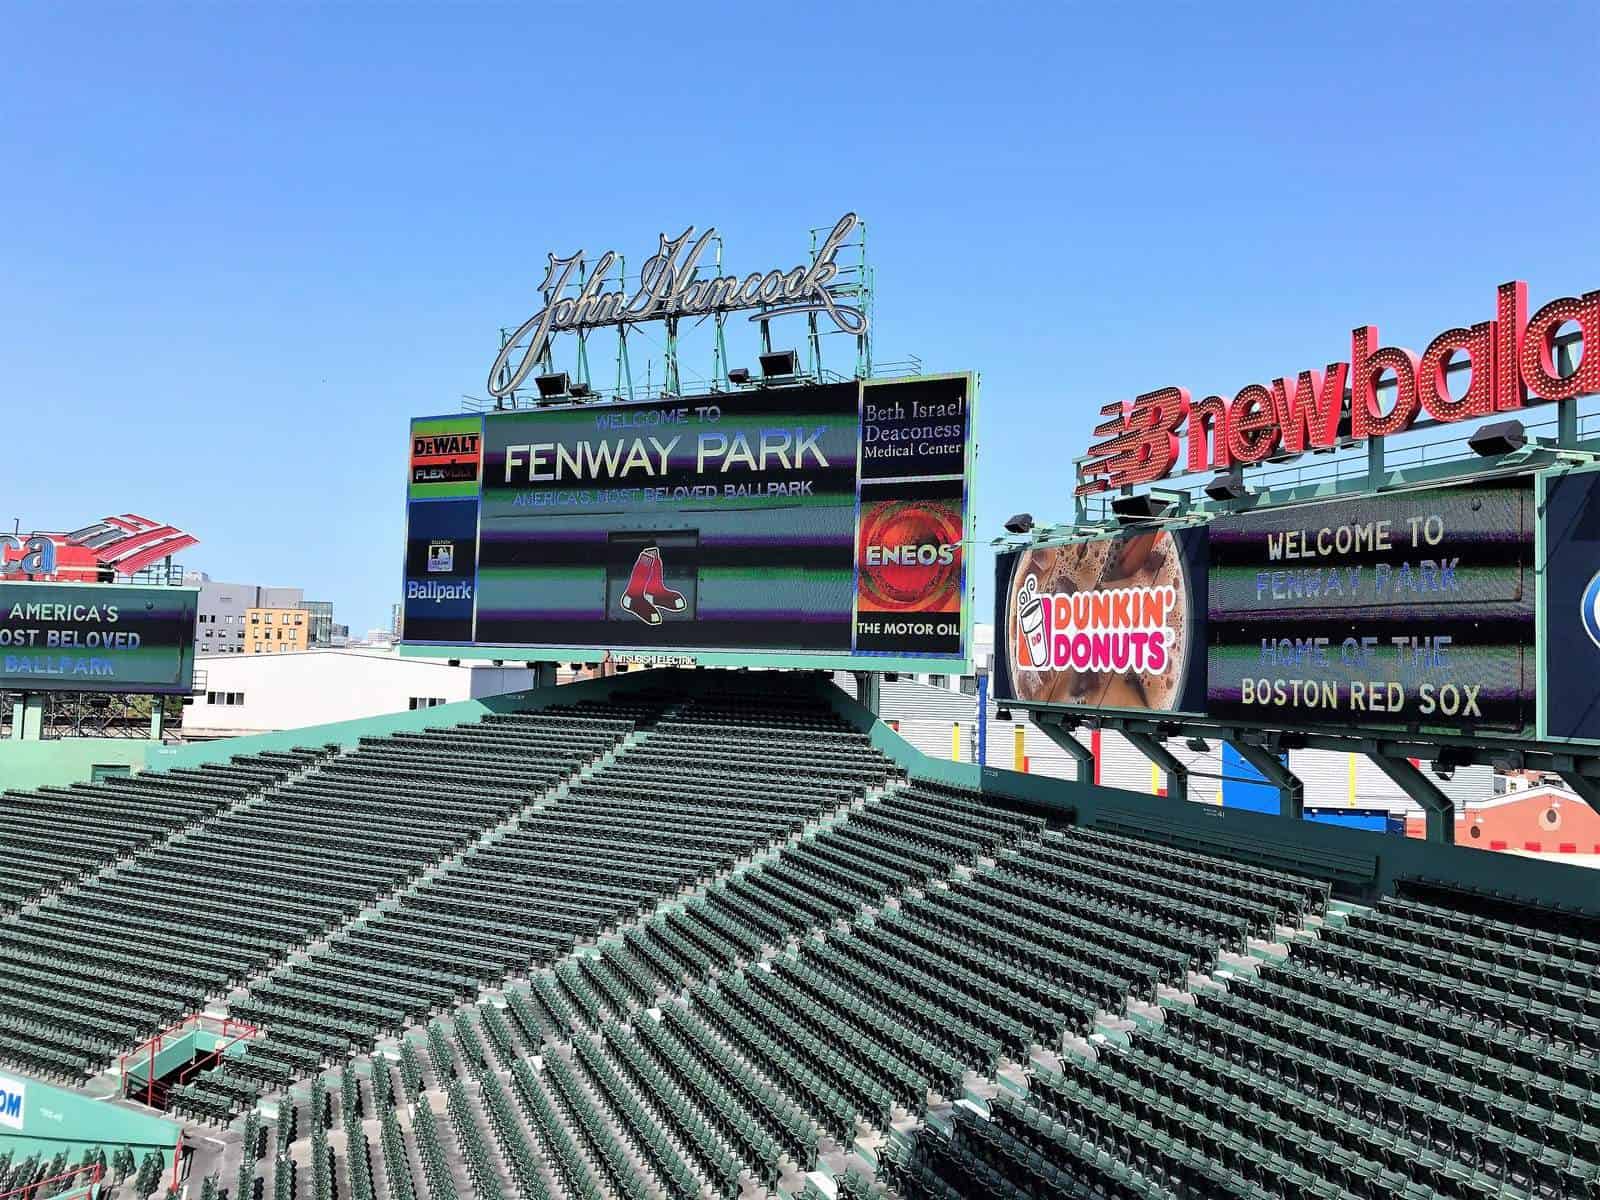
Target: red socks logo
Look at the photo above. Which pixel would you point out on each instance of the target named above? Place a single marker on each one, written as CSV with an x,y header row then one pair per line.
x,y
648,595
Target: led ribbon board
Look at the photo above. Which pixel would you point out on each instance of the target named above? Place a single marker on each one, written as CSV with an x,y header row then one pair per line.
x,y
1414,610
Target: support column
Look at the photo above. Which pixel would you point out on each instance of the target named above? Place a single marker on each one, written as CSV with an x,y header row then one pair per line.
x,y
1587,786
1291,791
157,715
1062,737
869,690
544,674
1439,811
983,719
1177,774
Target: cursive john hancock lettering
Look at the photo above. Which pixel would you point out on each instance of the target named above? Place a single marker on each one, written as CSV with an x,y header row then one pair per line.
x,y
669,286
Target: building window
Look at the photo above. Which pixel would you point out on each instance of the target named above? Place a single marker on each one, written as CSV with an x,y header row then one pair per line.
x,y
211,697
426,702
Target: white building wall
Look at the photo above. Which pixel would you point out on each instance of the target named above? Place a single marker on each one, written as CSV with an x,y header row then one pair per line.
x,y
925,716
314,687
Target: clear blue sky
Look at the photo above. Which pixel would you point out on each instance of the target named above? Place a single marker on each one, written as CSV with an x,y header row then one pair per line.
x,y
241,245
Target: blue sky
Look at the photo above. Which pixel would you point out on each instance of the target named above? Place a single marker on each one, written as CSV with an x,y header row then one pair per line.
x,y
241,245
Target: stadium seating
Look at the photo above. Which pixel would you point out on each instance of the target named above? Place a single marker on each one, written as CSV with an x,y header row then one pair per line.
x,y
56,835
661,815
683,946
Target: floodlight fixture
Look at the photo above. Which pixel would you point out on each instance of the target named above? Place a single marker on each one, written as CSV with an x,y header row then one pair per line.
x,y
1021,523
779,364
1498,437
1146,506
553,386
1229,485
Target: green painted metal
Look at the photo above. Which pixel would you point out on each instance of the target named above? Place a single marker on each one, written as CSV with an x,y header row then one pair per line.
x,y
56,1120
1438,810
1058,733
62,761
1541,603
1363,865
1177,774
180,1048
1291,790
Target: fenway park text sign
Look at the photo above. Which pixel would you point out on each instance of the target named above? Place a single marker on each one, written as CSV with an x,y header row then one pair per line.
x,y
1512,357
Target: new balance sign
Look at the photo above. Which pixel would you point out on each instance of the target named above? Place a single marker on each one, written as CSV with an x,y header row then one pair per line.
x,y
13,1093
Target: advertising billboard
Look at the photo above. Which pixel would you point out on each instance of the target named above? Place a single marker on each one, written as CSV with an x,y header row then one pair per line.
x,y
67,637
1116,622
1571,646
819,520
1413,610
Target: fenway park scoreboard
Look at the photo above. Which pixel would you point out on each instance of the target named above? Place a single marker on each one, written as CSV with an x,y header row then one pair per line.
x,y
815,524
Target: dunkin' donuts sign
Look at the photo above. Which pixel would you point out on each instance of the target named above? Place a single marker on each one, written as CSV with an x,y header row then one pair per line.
x,y
1101,623
1514,363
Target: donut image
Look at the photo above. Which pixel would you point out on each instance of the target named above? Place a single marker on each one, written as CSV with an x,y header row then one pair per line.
x,y
1141,560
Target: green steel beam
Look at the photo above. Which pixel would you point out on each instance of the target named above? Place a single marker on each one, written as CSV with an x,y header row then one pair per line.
x,y
1177,773
1291,788
1438,809
1058,733
869,691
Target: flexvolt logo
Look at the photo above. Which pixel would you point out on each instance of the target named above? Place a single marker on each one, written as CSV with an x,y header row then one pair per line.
x,y
13,1096
1591,609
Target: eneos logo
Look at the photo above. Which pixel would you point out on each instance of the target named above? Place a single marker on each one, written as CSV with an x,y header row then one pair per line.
x,y
1591,609
910,557
13,1097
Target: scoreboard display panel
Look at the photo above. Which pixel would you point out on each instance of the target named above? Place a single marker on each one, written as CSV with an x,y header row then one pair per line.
x,y
826,520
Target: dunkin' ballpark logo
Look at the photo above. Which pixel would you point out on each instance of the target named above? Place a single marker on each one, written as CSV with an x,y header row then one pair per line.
x,y
1117,630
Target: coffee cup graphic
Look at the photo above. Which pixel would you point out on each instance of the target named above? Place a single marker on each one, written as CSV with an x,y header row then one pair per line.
x,y
1030,617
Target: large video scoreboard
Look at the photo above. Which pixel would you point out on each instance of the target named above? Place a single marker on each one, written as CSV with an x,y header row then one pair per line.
x,y
1472,607
824,525
96,637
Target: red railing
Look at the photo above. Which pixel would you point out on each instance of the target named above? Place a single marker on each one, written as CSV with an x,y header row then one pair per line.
x,y
68,1189
231,1029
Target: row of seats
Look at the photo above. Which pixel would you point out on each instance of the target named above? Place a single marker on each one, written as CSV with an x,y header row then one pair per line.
x,y
868,974
56,835
92,971
664,815
1410,1051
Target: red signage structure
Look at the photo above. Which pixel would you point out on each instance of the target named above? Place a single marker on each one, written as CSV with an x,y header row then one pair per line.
x,y
1512,357
105,550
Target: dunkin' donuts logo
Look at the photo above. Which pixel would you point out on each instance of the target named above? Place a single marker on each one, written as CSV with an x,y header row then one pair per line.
x,y
1123,630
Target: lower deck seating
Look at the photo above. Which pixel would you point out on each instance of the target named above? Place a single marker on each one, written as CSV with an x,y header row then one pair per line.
x,y
872,974
708,946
